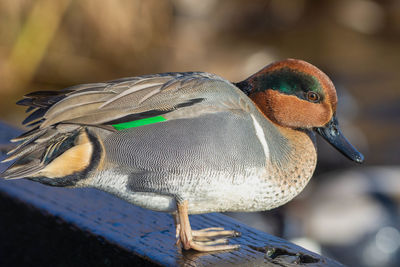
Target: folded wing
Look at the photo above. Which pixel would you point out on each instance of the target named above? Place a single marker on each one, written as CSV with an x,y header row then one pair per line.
x,y
62,117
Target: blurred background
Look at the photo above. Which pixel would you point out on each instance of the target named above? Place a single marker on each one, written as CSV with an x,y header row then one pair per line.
x,y
348,212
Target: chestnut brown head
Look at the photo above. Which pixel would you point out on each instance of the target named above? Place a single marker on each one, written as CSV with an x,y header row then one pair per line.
x,y
295,94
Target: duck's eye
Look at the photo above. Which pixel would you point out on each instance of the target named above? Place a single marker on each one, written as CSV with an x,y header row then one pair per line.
x,y
312,96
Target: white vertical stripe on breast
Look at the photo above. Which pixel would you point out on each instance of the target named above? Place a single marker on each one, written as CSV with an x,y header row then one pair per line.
x,y
261,136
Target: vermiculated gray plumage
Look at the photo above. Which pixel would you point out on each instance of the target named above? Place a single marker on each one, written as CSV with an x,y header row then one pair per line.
x,y
208,146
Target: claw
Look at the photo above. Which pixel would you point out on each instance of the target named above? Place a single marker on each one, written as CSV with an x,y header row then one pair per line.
x,y
200,247
212,242
202,233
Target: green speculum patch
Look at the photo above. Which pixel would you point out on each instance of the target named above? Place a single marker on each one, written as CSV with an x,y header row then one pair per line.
x,y
138,123
290,82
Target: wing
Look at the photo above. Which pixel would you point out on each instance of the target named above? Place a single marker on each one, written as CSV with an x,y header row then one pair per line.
x,y
126,99
62,115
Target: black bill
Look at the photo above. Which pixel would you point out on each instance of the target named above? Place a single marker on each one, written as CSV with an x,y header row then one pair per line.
x,y
331,133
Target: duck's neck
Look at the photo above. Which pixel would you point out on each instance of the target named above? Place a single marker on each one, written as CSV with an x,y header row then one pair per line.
x,y
245,86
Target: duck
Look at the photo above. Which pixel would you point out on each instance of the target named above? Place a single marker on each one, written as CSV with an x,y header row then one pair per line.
x,y
185,142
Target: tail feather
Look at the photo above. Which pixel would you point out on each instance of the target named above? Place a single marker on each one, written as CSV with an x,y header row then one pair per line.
x,y
21,152
62,148
39,149
37,114
35,123
30,143
18,171
27,134
25,142
29,109
43,99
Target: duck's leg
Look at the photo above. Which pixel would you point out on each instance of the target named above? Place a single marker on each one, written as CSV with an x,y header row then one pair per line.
x,y
201,240
177,227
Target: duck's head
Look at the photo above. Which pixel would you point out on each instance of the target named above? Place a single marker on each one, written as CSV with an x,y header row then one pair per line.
x,y
295,94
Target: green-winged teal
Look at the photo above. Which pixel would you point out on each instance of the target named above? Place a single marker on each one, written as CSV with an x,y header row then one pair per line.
x,y
185,143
